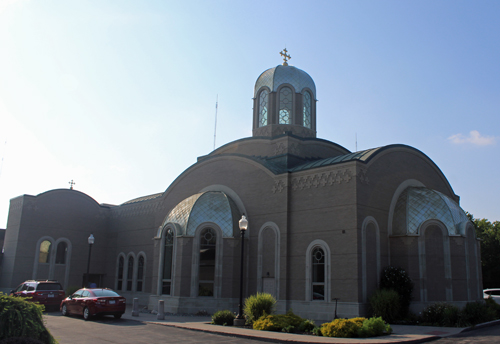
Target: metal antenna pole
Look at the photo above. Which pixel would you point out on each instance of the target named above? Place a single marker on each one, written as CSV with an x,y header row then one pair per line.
x,y
215,129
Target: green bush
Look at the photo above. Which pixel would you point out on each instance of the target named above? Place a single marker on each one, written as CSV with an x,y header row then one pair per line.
x,y
477,313
385,303
493,305
21,318
317,331
344,328
396,278
223,318
258,305
434,315
307,326
374,327
278,322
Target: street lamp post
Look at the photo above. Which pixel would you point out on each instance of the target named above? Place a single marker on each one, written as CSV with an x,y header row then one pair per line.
x,y
240,319
91,242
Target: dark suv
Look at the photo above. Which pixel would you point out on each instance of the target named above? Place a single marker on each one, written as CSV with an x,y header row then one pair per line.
x,y
45,292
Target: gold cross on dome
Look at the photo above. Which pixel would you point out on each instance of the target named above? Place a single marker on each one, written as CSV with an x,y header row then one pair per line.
x,y
285,57
71,183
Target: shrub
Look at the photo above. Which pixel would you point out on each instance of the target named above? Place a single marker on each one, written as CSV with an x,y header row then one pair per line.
x,y
317,331
374,327
278,322
477,313
258,305
385,303
223,318
345,328
397,279
433,315
307,326
493,305
21,318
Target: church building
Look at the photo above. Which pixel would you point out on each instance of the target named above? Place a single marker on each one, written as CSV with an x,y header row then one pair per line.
x,y
322,223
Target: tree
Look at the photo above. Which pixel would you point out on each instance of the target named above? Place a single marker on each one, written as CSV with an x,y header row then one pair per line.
x,y
489,233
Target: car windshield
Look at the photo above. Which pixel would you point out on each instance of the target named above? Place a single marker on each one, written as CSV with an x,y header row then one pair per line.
x,y
49,286
104,292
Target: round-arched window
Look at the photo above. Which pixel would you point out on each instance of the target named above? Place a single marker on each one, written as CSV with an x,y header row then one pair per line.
x,y
307,109
286,105
263,105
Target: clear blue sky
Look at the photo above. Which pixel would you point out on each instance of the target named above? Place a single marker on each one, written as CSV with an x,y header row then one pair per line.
x,y
120,95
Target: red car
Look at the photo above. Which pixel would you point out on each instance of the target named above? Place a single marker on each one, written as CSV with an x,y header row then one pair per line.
x,y
92,302
45,292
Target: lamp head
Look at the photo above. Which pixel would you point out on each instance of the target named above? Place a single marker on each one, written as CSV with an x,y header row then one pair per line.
x,y
91,239
243,223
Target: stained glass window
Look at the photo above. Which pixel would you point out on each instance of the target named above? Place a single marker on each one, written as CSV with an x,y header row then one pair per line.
x,y
208,239
263,104
44,251
167,262
286,100
307,110
318,274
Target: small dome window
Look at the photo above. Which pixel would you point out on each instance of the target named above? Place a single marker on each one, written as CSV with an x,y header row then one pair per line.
x,y
307,109
263,104
286,100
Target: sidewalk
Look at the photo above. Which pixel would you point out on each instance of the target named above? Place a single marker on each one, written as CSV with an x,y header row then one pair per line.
x,y
400,334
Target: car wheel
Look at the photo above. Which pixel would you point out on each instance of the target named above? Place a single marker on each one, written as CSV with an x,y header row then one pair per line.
x,y
86,314
64,310
117,316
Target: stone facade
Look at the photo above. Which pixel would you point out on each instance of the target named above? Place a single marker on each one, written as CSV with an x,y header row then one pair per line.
x,y
323,223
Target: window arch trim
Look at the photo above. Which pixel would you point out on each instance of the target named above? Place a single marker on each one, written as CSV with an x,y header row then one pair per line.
x,y
318,243
143,277
369,220
195,265
162,233
274,227
117,272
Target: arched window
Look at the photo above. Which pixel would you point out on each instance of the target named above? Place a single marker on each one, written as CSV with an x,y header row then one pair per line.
x,y
121,263
44,252
130,272
286,101
62,249
263,104
140,273
318,274
208,240
307,110
167,262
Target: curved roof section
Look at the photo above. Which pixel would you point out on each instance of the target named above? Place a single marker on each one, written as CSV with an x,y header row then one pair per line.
x,y
359,156
210,206
416,205
274,77
144,198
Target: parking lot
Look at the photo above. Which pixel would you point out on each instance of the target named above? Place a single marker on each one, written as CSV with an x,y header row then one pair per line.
x,y
75,330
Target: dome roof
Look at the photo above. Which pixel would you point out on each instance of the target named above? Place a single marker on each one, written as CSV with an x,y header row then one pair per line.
x,y
274,77
416,205
210,206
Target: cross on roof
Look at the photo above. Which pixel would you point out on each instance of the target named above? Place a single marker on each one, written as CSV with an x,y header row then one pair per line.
x,y
71,183
285,57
